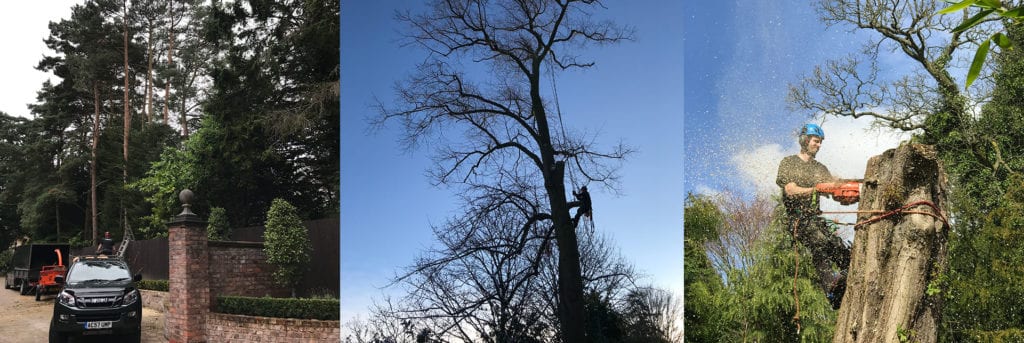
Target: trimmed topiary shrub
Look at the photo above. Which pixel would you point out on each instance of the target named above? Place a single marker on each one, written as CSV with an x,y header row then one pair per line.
x,y
217,227
153,285
322,309
286,243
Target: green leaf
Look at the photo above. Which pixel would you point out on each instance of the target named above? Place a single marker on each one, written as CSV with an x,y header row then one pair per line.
x,y
1001,40
973,21
990,4
956,7
979,60
1014,13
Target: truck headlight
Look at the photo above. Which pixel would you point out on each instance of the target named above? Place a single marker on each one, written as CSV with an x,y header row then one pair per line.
x,y
131,297
66,298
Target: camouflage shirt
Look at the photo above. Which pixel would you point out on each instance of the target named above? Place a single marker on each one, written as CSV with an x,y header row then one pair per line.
x,y
804,174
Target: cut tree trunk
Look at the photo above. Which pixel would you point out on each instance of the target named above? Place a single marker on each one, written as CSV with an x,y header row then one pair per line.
x,y
895,260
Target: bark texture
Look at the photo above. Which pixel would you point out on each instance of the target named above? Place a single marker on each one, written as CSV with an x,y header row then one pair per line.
x,y
894,260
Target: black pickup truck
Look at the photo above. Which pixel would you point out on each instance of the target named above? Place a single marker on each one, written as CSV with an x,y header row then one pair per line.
x,y
99,297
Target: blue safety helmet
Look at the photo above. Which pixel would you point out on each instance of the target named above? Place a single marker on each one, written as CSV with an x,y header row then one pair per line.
x,y
812,130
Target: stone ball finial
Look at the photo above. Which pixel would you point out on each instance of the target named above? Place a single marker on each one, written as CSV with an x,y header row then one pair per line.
x,y
186,202
186,196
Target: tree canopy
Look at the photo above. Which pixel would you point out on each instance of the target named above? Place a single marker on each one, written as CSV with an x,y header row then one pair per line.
x,y
82,163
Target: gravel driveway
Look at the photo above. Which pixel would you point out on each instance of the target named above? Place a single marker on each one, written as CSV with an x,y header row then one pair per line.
x,y
23,319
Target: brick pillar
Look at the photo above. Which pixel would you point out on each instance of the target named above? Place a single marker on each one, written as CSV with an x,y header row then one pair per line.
x,y
189,284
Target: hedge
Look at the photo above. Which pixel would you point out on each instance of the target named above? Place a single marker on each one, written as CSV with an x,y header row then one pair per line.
x,y
153,285
322,309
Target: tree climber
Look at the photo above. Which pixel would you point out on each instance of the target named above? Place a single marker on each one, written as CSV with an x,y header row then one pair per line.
x,y
801,178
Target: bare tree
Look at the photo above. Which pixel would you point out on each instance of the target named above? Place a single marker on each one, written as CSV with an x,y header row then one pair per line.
x,y
511,151
918,100
657,315
744,222
379,328
489,283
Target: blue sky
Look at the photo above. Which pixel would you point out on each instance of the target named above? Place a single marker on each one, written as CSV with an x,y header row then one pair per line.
x,y
634,94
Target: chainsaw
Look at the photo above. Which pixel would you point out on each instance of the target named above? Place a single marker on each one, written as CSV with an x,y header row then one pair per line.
x,y
845,192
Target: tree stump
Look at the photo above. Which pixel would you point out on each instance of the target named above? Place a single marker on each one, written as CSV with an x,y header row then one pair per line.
x,y
895,260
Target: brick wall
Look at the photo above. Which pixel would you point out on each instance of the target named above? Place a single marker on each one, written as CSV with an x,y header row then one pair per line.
x,y
241,269
230,328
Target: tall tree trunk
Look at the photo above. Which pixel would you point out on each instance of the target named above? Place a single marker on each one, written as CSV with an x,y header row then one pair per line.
x,y
127,112
895,260
92,162
60,180
184,116
170,59
570,281
149,76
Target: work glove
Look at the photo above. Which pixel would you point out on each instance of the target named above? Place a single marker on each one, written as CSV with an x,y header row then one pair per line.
x,y
846,200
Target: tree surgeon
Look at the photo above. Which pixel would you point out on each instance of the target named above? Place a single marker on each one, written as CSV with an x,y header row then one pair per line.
x,y
106,246
803,181
583,201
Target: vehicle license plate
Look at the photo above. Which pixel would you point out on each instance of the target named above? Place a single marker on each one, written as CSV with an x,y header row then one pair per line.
x,y
98,325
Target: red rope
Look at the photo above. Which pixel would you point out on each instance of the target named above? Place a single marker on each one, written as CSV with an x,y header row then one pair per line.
x,y
901,210
796,272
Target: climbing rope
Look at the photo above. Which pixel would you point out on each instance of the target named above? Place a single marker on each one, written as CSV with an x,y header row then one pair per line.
x,y
880,214
796,273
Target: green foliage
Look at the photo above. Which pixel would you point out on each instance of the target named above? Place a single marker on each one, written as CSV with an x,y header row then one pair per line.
x,y
275,135
701,218
904,335
286,243
760,301
277,105
988,8
985,274
753,304
321,309
164,180
702,286
175,170
6,258
997,336
933,288
78,241
217,227
154,285
702,289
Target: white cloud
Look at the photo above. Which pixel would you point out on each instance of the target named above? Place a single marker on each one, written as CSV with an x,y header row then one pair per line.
x,y
758,167
26,24
849,143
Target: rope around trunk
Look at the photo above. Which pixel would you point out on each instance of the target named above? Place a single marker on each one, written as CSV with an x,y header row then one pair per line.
x,y
886,214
